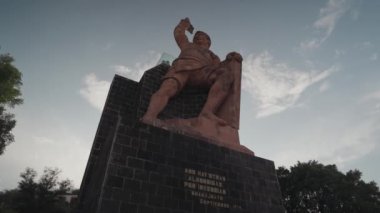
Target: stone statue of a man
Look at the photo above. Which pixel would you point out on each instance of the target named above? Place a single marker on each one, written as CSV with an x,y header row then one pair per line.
x,y
198,66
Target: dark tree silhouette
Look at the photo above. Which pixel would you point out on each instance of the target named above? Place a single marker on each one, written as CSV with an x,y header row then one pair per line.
x,y
10,83
42,196
314,187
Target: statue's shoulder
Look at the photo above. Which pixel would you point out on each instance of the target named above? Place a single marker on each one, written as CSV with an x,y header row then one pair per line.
x,y
189,45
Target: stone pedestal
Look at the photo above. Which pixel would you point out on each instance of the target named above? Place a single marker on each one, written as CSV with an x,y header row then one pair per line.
x,y
134,167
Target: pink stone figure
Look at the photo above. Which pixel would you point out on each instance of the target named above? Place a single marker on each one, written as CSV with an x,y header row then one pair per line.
x,y
198,66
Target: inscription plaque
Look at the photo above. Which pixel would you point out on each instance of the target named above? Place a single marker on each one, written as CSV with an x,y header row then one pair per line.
x,y
208,187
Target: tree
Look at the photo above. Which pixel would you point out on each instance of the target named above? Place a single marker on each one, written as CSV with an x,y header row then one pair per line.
x,y
10,95
7,123
7,198
10,81
42,196
27,191
314,187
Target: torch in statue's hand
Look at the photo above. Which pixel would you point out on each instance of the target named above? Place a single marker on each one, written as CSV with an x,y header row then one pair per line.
x,y
189,26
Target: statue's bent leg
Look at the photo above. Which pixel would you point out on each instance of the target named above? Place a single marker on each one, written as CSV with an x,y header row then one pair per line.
x,y
230,109
217,94
159,99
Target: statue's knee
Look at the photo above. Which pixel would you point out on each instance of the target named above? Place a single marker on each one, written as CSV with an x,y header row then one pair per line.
x,y
168,88
234,56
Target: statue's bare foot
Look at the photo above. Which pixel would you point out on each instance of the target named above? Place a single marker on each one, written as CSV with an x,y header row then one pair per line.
x,y
213,117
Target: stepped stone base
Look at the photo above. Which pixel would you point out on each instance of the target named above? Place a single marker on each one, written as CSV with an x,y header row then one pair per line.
x,y
153,170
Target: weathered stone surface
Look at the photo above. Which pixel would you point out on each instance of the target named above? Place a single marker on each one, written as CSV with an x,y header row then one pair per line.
x,y
134,167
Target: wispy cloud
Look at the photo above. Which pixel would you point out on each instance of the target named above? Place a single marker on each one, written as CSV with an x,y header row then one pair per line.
x,y
355,14
326,23
274,86
372,100
338,141
354,143
108,46
328,145
43,140
374,57
136,71
325,86
339,53
364,45
95,91
371,96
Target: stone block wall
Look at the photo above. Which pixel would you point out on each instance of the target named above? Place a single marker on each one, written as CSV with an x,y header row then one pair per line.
x,y
153,170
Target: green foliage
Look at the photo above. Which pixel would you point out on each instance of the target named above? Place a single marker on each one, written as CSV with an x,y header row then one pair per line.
x,y
43,196
10,82
10,95
314,187
7,123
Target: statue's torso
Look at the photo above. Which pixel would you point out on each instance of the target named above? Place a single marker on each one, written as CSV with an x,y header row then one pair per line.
x,y
193,57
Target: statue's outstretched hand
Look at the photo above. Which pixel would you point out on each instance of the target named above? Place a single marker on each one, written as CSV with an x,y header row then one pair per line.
x,y
186,22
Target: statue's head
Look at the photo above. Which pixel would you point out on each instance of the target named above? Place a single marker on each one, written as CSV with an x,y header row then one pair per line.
x,y
202,39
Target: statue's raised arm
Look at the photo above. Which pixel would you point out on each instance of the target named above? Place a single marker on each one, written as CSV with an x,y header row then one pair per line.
x,y
180,32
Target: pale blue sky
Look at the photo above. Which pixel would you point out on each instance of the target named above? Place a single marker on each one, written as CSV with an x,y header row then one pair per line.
x,y
310,76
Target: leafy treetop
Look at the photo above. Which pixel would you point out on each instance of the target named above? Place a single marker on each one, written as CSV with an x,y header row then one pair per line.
x,y
10,82
314,187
